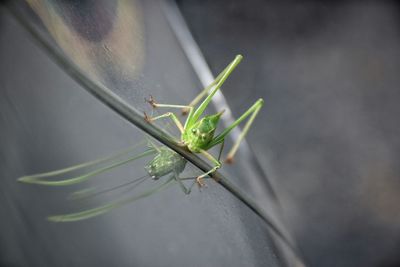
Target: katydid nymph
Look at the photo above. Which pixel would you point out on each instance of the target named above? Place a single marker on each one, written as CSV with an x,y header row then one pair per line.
x,y
197,134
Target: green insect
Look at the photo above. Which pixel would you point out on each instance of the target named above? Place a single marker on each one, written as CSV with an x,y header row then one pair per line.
x,y
197,134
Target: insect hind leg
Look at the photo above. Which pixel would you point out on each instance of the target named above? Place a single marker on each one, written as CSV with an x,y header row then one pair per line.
x,y
252,112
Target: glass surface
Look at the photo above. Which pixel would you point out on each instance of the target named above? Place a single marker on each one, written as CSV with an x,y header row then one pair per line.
x,y
49,122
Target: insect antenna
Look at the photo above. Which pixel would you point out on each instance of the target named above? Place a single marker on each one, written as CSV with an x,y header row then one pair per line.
x,y
87,193
81,165
86,214
37,179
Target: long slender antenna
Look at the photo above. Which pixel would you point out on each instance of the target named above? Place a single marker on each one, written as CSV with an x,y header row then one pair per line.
x,y
136,182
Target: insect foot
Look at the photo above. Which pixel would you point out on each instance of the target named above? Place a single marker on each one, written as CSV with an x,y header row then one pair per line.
x,y
147,118
229,160
200,182
185,111
151,101
181,144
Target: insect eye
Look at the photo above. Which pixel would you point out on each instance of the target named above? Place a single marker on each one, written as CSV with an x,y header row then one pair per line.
x,y
194,130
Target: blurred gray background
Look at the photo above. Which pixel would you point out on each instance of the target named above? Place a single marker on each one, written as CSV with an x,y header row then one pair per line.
x,y
329,134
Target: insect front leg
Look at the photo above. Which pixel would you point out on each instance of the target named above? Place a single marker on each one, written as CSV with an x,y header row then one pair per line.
x,y
171,115
154,104
206,90
213,89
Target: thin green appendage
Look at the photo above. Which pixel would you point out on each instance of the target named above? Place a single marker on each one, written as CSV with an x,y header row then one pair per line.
x,y
86,214
225,74
90,192
205,91
246,128
253,110
81,165
80,194
216,162
84,177
173,117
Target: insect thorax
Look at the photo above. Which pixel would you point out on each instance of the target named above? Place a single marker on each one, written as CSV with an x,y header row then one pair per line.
x,y
165,162
199,136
